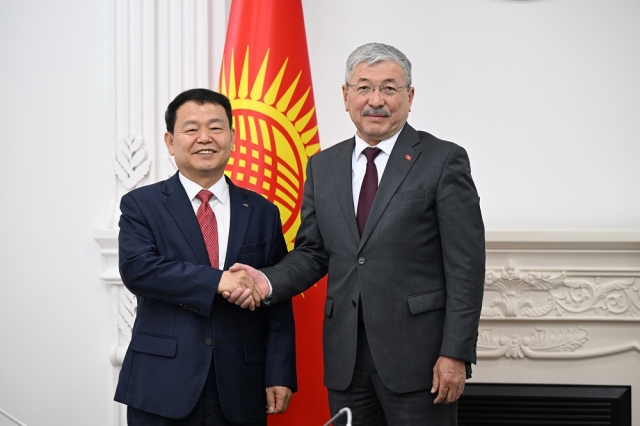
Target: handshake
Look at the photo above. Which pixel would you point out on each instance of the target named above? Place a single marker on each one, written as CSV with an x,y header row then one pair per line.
x,y
244,286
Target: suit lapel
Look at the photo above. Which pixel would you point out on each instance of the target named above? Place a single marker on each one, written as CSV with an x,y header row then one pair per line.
x,y
342,171
403,156
240,215
181,210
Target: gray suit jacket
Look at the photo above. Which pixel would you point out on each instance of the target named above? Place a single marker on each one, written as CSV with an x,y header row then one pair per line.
x,y
418,268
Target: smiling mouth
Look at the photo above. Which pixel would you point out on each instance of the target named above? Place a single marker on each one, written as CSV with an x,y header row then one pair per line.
x,y
205,151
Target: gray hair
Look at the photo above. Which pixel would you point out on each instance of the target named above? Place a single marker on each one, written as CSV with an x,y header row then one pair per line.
x,y
372,53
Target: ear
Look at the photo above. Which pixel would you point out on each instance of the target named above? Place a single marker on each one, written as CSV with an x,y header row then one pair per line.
x,y
233,138
411,93
168,140
345,90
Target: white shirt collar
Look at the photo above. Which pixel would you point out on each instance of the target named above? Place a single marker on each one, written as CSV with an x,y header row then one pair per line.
x,y
219,189
386,145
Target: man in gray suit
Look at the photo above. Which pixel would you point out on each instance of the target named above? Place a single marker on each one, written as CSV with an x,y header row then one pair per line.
x,y
405,284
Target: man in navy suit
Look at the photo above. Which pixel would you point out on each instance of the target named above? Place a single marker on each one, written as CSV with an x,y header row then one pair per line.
x,y
194,358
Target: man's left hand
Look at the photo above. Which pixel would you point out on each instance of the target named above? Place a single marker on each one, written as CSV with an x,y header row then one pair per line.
x,y
449,376
278,399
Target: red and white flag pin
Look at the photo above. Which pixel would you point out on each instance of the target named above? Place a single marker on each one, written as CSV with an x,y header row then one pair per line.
x,y
407,156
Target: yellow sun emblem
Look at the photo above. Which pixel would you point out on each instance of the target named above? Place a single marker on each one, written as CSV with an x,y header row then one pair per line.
x,y
274,137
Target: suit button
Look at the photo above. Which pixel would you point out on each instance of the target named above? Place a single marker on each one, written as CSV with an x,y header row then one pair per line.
x,y
207,342
354,303
361,261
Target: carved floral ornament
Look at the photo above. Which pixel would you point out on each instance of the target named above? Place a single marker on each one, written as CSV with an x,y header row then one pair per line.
x,y
543,294
546,344
533,345
131,164
126,314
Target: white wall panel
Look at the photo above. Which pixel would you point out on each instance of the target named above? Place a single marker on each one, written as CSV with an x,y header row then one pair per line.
x,y
543,94
57,115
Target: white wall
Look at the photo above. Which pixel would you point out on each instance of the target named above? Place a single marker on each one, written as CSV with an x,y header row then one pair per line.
x,y
57,119
544,94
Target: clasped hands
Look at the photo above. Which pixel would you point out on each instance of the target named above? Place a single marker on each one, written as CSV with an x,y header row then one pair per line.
x,y
244,286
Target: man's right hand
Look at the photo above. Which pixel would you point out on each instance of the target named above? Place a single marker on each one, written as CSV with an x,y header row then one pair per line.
x,y
240,297
242,286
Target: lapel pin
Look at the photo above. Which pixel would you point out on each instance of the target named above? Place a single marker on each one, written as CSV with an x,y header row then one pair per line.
x,y
408,157
246,205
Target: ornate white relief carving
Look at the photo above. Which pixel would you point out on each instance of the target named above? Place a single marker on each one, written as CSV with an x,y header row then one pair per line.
x,y
539,294
125,317
131,163
540,341
545,344
127,313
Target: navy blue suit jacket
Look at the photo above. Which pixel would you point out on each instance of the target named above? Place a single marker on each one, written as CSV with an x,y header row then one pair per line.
x,y
181,324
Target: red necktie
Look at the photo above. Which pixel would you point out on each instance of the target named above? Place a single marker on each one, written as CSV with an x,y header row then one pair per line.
x,y
209,226
369,187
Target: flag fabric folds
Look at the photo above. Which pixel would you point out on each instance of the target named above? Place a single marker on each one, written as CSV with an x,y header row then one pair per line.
x,y
266,75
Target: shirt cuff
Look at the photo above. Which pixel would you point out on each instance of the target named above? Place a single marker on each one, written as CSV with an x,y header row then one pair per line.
x,y
267,299
268,282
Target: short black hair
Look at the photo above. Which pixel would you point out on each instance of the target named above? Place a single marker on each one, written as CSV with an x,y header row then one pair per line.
x,y
199,96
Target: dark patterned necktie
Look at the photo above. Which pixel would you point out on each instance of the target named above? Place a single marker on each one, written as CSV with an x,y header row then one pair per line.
x,y
369,187
209,226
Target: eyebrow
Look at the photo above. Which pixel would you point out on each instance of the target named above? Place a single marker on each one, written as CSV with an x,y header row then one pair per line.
x,y
387,80
190,122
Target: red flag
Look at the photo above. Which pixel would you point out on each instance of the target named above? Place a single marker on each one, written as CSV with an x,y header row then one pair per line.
x,y
266,75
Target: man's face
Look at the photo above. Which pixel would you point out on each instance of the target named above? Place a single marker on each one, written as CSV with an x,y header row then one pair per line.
x,y
377,116
202,142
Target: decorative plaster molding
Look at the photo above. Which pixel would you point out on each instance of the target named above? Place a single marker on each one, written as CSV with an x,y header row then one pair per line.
x,y
107,239
519,295
131,164
123,302
491,345
125,315
545,344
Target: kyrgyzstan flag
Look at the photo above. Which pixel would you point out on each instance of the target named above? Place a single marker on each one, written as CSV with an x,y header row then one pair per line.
x,y
266,75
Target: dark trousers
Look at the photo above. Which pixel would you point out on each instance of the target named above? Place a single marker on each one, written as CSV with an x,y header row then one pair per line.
x,y
374,404
207,411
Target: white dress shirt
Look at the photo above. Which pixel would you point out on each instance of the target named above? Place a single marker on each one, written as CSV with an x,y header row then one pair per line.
x,y
359,163
219,204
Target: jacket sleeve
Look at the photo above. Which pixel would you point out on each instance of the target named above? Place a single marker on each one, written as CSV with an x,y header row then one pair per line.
x,y
463,251
148,270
